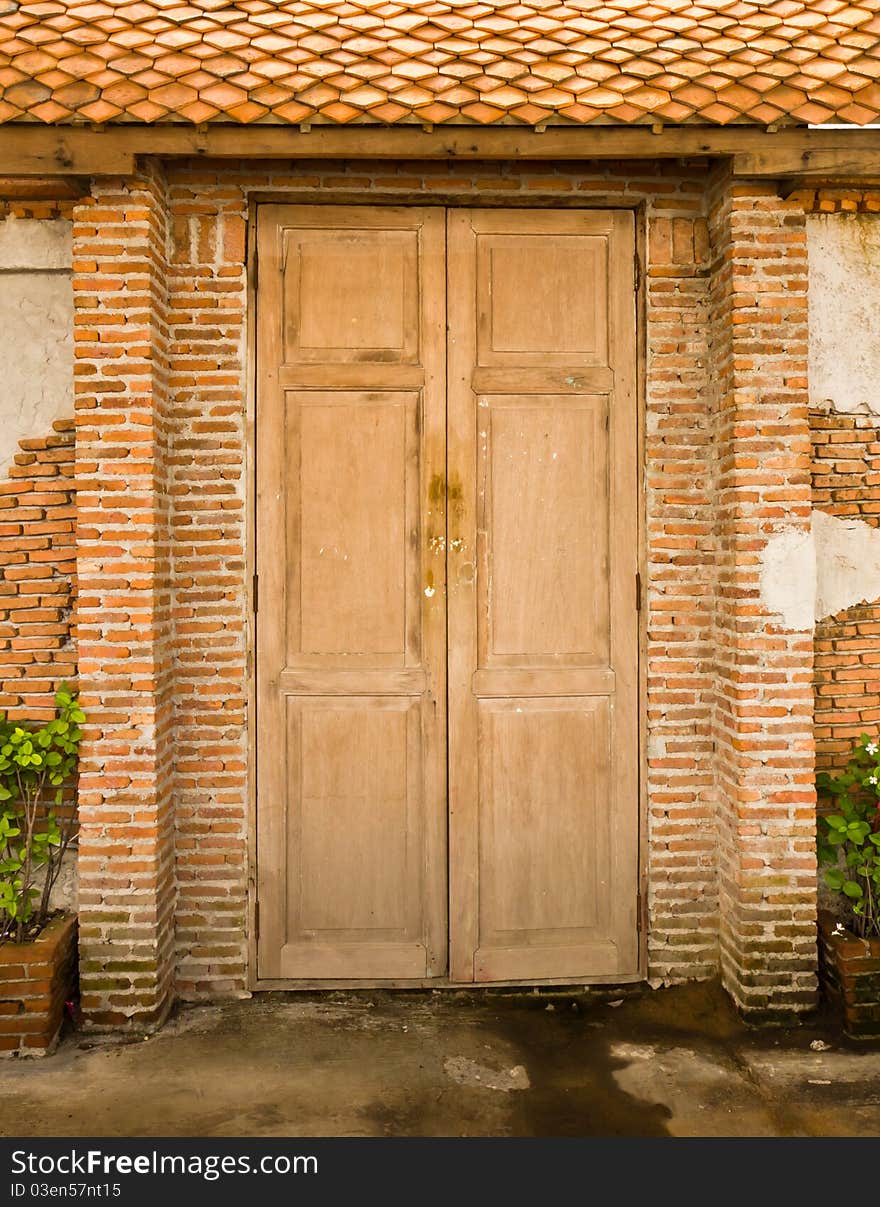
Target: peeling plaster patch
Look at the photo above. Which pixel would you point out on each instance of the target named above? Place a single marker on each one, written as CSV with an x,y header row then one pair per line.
x,y
844,306
788,578
847,563
36,330
468,1072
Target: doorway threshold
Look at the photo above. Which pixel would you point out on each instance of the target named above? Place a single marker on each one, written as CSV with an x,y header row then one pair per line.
x,y
312,986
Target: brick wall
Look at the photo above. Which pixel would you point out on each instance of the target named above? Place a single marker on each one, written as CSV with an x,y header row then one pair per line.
x,y
126,847
682,872
38,575
21,198
207,334
846,483
763,705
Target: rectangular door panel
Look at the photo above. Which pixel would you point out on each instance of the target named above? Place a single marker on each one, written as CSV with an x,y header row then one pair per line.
x,y
543,834
354,788
544,812
356,540
351,295
351,749
546,291
543,530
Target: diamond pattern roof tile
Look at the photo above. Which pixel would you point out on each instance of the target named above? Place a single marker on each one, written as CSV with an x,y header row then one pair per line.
x,y
341,61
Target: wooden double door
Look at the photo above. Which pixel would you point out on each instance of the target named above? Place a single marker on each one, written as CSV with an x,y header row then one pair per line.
x,y
447,635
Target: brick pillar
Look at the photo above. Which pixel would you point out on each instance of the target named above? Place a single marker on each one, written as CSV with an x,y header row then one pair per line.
x,y
763,711
126,848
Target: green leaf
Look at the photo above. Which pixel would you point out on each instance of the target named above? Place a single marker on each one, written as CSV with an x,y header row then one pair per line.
x,y
835,821
835,878
852,889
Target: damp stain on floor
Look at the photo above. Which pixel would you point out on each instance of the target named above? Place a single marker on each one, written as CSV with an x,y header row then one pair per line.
x,y
669,1062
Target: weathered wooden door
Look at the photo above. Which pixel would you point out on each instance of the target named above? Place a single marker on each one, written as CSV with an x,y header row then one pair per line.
x,y
351,630
543,649
528,870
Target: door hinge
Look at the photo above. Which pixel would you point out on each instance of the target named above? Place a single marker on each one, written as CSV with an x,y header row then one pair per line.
x,y
637,272
255,592
638,592
256,919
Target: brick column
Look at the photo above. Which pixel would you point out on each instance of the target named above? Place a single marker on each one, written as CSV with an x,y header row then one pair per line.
x,y
126,847
763,710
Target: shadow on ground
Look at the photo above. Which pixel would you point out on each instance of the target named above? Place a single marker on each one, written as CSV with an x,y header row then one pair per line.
x,y
673,1062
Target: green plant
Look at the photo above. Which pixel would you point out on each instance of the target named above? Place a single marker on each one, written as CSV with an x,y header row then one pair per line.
x,y
33,837
849,836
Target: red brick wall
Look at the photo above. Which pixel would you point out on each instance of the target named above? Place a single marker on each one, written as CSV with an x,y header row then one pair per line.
x,y
764,703
846,483
682,871
37,199
126,845
38,575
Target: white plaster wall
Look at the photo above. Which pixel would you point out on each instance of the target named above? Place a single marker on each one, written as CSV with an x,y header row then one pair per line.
x,y
844,268
36,329
35,243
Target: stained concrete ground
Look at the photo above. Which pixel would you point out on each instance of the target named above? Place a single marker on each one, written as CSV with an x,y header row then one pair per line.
x,y
674,1062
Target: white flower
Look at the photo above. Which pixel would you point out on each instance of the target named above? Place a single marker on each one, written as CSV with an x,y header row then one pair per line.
x,y
871,748
872,779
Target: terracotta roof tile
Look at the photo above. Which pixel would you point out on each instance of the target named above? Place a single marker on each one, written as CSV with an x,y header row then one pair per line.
x,y
439,61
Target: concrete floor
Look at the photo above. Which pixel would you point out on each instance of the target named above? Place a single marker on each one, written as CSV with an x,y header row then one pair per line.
x,y
674,1062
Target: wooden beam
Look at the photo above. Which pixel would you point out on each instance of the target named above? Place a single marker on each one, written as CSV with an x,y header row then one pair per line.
x,y
29,150
838,164
32,150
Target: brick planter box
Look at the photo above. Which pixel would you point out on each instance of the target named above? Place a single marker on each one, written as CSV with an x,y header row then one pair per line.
x,y
851,972
35,980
